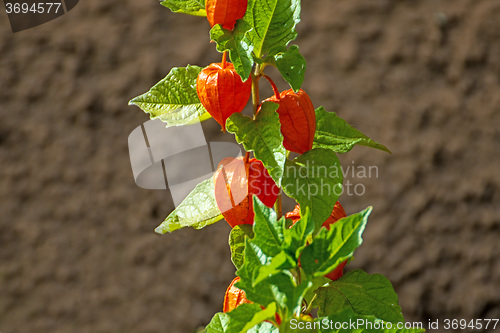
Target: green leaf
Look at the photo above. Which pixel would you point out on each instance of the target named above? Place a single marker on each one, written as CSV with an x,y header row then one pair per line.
x,y
239,46
174,99
262,288
292,66
365,294
287,294
218,324
299,234
333,132
253,261
317,282
279,263
261,293
263,137
268,231
191,7
331,247
265,327
246,316
198,210
237,243
314,180
273,23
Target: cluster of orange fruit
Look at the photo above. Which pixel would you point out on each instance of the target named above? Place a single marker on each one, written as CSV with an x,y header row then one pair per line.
x,y
222,92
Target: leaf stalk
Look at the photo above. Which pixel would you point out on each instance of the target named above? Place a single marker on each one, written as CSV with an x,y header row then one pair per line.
x,y
255,91
224,60
275,89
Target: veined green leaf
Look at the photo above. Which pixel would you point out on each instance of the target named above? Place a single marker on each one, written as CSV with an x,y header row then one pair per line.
x,y
265,274
331,247
198,210
263,137
246,316
365,294
174,99
314,180
254,259
299,234
333,132
265,327
218,324
273,24
264,289
317,282
292,66
287,293
280,262
239,46
191,7
237,243
267,229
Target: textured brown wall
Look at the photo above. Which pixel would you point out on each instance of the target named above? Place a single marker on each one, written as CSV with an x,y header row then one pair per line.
x,y
77,248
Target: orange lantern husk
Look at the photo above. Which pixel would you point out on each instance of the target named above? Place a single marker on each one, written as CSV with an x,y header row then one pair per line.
x,y
222,92
225,12
234,297
297,118
236,182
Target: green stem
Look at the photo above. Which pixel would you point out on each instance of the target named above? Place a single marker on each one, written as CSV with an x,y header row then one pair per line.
x,y
255,90
309,307
277,206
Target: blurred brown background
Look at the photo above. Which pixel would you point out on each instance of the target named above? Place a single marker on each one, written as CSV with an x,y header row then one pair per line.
x,y
77,247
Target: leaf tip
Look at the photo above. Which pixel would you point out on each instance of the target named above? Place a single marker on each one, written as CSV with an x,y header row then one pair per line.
x,y
384,148
166,227
133,101
159,230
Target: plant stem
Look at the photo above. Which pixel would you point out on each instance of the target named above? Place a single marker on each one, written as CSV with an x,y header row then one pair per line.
x,y
255,90
277,206
309,307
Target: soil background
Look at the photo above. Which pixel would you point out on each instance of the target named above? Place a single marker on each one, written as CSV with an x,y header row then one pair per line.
x,y
77,247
